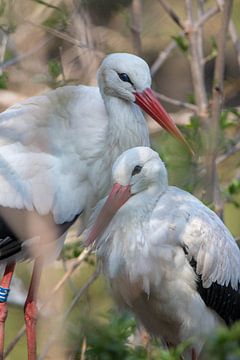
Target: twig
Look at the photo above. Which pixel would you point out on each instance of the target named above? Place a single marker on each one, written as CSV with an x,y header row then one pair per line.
x,y
48,5
73,267
176,102
77,297
28,54
162,57
196,65
63,36
233,33
207,15
235,39
3,46
213,191
229,153
136,26
172,13
84,348
200,4
70,282
83,289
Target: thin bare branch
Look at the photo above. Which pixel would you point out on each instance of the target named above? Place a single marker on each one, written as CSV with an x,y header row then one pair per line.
x,y
136,26
75,300
176,102
14,342
213,191
196,64
69,281
229,153
162,57
65,37
3,46
84,348
28,54
172,13
200,4
235,39
76,263
217,99
207,15
233,33
83,289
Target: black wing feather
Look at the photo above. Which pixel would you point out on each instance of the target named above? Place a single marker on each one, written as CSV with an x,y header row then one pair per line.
x,y
11,244
223,299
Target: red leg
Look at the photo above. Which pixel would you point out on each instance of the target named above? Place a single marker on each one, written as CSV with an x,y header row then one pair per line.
x,y
4,290
30,310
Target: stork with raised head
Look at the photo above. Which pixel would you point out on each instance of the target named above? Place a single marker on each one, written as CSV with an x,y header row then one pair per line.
x,y
56,154
169,259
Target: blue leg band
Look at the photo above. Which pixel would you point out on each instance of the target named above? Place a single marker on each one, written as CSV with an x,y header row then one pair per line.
x,y
4,294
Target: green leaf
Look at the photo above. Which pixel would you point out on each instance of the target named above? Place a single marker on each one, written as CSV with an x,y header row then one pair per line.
x,y
234,187
191,99
3,80
182,43
54,68
194,123
214,49
227,119
72,250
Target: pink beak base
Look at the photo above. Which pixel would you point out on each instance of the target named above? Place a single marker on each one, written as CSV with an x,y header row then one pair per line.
x,y
149,103
117,197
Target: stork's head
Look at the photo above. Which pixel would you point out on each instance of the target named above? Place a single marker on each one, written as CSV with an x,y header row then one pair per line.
x,y
137,170
128,77
121,75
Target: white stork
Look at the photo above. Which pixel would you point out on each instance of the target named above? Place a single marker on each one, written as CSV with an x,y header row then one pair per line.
x,y
169,258
56,154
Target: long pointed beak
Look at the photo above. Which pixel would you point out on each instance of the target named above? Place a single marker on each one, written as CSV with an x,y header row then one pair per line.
x,y
117,197
149,103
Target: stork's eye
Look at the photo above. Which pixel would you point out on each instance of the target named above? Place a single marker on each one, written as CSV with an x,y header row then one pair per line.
x,y
125,77
136,170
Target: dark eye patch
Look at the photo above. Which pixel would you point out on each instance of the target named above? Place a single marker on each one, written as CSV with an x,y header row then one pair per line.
x,y
125,77
136,170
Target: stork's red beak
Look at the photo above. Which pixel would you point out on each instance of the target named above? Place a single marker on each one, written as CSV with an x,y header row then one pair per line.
x,y
149,103
117,197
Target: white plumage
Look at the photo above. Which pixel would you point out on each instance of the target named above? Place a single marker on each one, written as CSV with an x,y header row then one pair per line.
x,y
168,257
56,154
57,149
45,147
